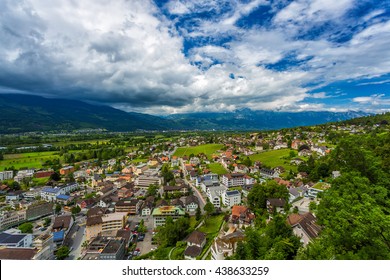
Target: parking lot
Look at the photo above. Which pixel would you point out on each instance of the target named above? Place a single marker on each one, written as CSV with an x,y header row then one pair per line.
x,y
145,246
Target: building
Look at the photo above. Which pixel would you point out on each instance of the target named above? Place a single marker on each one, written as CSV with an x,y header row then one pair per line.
x,y
268,173
10,219
191,203
13,238
66,170
215,198
39,209
130,206
99,223
161,213
211,177
144,181
17,253
43,174
304,226
275,205
6,175
141,168
183,189
45,246
233,179
106,248
195,243
226,244
231,198
242,215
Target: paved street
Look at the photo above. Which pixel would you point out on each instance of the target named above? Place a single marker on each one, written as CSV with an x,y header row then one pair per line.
x,y
146,245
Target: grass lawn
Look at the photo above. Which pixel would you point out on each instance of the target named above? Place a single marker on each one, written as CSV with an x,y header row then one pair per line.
x,y
207,149
321,186
275,158
217,168
35,159
212,224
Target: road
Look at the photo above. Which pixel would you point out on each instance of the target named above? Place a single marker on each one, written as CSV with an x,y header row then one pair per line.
x,y
198,194
76,238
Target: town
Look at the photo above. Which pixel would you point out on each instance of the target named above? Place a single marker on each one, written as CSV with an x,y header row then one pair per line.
x,y
165,195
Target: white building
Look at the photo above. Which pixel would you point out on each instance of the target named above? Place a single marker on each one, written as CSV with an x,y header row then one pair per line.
x,y
14,238
231,198
6,175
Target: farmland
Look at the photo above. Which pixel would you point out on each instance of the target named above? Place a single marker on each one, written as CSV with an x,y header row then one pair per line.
x,y
217,168
29,160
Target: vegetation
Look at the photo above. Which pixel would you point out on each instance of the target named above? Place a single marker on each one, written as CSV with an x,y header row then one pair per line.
x,y
275,158
207,149
217,168
62,253
26,228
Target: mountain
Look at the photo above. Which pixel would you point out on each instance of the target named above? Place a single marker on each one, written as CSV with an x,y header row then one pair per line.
x,y
24,113
246,119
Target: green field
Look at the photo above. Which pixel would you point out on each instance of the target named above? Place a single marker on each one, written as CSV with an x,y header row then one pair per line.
x,y
217,168
207,149
321,186
275,158
212,225
29,160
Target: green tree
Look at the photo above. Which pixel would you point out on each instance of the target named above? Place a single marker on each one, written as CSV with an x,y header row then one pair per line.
x,y
209,208
257,197
62,253
247,162
198,214
57,208
46,222
55,176
26,228
75,210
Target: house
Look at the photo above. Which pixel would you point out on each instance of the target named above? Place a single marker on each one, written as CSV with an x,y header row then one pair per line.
x,y
297,161
279,170
14,196
195,243
191,203
97,178
304,226
87,203
304,153
161,213
231,198
268,173
6,175
64,199
293,194
17,253
275,205
66,170
43,174
177,202
215,198
182,188
147,206
242,215
62,223
226,243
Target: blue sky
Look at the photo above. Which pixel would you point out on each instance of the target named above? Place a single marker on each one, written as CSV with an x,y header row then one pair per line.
x,y
163,57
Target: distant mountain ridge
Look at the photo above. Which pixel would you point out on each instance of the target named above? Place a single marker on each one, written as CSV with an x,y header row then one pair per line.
x,y
246,119
26,113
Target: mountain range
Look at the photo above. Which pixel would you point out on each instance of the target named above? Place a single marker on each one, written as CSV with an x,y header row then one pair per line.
x,y
25,113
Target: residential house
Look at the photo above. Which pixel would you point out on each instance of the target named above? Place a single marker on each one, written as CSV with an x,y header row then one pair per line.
x,y
12,218
147,206
226,243
275,205
268,173
182,188
17,253
191,203
66,170
242,215
304,226
304,153
195,243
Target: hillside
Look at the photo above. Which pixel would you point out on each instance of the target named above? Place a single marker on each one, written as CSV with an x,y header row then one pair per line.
x,y
23,113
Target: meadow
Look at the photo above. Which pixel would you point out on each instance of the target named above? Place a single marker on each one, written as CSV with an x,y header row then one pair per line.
x,y
207,149
29,160
275,158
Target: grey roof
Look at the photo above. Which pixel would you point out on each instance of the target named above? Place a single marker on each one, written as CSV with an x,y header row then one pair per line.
x,y
6,238
231,193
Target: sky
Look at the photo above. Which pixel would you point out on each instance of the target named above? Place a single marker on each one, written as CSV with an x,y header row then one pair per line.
x,y
183,56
